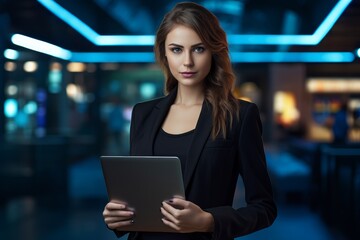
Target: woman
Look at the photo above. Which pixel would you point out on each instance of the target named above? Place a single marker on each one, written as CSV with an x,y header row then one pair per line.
x,y
216,136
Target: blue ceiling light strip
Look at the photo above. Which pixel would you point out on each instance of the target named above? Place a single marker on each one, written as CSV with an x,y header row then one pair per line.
x,y
41,46
148,40
247,39
125,40
308,57
330,20
124,57
148,57
90,34
236,57
70,19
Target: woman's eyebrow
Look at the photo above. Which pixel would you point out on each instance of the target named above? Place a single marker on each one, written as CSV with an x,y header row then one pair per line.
x,y
178,45
175,45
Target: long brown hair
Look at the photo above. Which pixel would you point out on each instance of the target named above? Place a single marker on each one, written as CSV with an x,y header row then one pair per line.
x,y
220,81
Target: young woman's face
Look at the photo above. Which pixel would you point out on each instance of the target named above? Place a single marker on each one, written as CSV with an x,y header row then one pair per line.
x,y
188,58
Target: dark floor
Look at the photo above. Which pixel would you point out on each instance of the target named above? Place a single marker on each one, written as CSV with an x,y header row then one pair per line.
x,y
80,215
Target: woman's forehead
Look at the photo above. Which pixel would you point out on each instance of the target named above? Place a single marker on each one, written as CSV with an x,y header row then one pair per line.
x,y
181,34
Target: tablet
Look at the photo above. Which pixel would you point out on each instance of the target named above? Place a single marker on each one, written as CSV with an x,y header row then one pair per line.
x,y
143,183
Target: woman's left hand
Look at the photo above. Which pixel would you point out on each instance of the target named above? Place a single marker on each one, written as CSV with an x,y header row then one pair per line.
x,y
185,216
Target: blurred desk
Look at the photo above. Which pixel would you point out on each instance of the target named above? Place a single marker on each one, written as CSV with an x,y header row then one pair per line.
x,y
309,153
40,166
340,187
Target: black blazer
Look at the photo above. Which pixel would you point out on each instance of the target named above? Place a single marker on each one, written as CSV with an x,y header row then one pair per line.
x,y
214,166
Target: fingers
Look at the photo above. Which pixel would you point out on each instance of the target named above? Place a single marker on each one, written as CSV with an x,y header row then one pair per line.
x,y
170,224
117,210
117,215
115,206
179,202
119,224
170,213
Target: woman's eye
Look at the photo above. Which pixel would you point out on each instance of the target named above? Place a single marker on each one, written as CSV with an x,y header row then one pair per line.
x,y
199,49
176,50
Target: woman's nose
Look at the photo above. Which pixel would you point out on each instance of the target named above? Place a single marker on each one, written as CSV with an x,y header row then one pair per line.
x,y
188,61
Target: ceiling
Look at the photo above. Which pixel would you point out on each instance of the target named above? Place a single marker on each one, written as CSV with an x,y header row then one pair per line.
x,y
141,17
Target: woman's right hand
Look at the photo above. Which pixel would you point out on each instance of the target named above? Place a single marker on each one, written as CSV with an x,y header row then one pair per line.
x,y
117,215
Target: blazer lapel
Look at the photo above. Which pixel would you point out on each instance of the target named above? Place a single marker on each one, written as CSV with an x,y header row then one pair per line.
x,y
201,134
161,110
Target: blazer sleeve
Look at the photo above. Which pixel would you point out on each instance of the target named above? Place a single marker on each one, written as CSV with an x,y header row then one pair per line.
x,y
260,210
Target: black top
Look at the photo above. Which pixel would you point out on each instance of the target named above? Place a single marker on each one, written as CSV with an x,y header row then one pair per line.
x,y
167,144
178,145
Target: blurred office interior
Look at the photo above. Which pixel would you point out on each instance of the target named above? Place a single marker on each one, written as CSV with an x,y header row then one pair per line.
x,y
71,71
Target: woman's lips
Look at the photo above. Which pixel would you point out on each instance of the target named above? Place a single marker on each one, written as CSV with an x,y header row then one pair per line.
x,y
188,74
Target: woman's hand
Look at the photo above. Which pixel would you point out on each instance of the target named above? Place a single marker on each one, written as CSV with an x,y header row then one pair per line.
x,y
185,216
117,215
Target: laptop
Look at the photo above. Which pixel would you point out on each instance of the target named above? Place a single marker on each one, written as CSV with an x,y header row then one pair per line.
x,y
143,183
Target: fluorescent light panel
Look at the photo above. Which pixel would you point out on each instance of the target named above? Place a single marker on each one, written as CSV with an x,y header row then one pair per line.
x,y
41,46
148,40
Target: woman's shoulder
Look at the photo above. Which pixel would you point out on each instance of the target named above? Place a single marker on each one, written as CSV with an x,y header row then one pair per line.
x,y
246,105
147,105
149,102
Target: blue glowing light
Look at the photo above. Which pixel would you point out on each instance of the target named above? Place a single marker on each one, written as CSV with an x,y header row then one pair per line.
x,y
148,57
11,54
147,90
128,57
70,19
330,19
40,46
148,40
30,107
10,108
311,57
124,40
236,57
358,52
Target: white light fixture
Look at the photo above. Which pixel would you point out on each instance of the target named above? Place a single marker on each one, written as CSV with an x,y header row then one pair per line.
x,y
40,46
30,66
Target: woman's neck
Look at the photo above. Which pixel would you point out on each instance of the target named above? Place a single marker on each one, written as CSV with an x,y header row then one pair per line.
x,y
189,96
